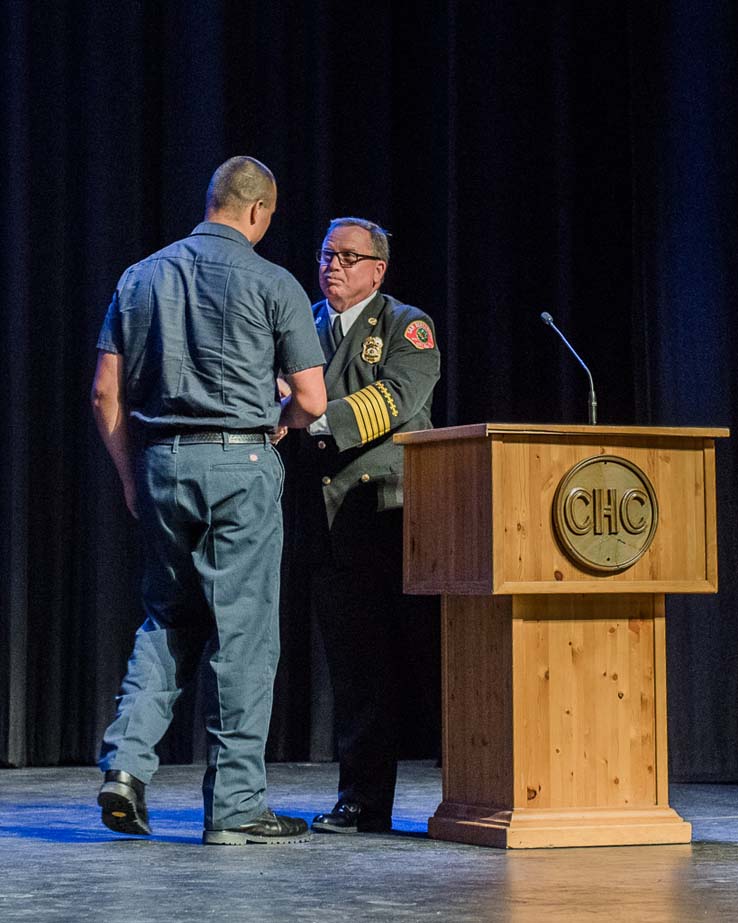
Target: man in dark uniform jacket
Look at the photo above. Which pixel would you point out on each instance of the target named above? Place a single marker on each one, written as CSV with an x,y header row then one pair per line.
x,y
382,363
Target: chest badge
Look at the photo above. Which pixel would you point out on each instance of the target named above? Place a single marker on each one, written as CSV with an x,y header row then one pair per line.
x,y
371,350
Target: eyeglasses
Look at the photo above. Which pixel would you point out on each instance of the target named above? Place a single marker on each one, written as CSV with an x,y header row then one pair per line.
x,y
346,258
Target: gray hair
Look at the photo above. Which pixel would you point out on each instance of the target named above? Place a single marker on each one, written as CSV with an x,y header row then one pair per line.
x,y
380,241
239,182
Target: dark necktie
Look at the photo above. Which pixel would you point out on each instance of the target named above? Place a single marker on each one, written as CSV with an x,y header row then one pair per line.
x,y
337,330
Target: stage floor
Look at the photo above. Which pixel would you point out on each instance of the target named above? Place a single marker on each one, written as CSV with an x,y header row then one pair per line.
x,y
59,863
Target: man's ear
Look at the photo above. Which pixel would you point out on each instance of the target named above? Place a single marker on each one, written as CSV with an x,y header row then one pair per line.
x,y
254,210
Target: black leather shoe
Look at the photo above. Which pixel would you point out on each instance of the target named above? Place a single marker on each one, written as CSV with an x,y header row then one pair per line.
x,y
347,817
268,828
123,805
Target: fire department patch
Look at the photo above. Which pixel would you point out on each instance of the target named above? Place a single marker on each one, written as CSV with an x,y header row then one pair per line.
x,y
420,335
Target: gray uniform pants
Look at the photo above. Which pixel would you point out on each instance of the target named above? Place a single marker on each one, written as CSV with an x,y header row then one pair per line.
x,y
211,524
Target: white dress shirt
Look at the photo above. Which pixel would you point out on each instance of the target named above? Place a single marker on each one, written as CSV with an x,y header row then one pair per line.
x,y
346,319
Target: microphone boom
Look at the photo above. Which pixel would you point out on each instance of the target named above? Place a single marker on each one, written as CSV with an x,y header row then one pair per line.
x,y
592,403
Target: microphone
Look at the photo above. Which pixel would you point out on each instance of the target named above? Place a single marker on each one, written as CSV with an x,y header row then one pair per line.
x,y
549,322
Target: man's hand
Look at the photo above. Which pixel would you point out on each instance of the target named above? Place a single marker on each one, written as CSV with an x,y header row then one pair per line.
x,y
277,434
279,431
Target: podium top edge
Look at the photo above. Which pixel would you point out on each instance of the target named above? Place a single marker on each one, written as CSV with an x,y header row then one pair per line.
x,y
482,430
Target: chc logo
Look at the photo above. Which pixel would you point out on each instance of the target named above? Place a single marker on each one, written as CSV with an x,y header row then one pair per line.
x,y
605,513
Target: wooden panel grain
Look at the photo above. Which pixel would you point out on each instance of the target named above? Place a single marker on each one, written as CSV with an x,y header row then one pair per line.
x,y
467,488
477,430
711,512
555,723
477,700
527,556
447,546
543,829
585,702
660,713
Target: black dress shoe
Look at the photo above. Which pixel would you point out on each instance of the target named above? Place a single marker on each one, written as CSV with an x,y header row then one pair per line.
x,y
123,805
347,817
268,828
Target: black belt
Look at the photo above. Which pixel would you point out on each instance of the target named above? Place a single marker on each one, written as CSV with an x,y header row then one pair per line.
x,y
214,436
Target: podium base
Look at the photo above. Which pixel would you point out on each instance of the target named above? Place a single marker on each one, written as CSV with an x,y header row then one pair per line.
x,y
545,829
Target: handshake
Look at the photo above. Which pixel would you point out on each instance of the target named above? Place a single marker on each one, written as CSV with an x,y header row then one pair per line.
x,y
280,431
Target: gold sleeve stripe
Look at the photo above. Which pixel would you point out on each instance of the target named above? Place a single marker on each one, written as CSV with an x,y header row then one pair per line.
x,y
376,396
373,423
365,417
370,411
359,415
380,411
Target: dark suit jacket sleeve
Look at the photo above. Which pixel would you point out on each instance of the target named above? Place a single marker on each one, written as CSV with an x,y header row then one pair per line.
x,y
407,374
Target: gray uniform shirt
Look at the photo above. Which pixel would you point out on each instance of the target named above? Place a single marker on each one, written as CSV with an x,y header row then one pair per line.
x,y
204,326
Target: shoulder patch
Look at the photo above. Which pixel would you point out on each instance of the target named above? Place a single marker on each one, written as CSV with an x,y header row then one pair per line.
x,y
420,335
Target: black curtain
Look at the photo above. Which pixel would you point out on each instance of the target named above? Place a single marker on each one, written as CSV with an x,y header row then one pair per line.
x,y
576,157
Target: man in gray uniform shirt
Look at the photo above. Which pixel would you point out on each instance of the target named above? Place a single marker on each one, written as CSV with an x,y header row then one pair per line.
x,y
184,398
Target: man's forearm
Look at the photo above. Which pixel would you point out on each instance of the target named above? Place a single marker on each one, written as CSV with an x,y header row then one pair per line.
x,y
109,411
303,398
112,425
293,415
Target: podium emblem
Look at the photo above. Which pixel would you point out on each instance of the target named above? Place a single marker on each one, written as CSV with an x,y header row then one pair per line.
x,y
605,513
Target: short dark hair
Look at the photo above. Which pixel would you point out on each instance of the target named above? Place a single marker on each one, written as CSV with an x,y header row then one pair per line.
x,y
380,237
239,182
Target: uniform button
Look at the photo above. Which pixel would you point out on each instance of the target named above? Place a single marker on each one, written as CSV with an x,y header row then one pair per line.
x,y
325,481
321,444
365,478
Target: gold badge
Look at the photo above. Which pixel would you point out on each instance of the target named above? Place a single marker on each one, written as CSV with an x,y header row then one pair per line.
x,y
371,350
372,321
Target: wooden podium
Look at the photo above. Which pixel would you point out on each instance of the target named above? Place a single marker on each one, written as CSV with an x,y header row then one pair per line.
x,y
554,669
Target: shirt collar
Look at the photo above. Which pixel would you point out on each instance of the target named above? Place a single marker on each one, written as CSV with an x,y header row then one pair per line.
x,y
350,314
221,230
